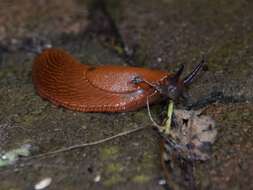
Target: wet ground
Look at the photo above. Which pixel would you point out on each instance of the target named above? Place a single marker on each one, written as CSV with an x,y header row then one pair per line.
x,y
152,33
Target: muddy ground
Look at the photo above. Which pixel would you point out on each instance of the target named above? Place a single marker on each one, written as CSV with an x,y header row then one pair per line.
x,y
158,34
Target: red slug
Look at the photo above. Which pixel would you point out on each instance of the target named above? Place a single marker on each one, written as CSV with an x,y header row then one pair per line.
x,y
61,79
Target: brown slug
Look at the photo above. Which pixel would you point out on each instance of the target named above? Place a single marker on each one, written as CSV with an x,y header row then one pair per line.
x,y
61,79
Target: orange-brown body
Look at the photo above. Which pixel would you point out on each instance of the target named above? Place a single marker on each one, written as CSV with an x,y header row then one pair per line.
x,y
64,81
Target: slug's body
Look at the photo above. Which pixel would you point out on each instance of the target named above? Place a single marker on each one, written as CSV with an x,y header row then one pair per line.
x,y
64,81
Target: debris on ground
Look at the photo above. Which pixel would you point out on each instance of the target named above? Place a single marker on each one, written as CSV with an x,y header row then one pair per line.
x,y
190,137
193,134
10,157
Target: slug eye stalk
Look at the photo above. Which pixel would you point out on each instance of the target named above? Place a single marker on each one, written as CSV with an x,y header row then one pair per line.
x,y
190,78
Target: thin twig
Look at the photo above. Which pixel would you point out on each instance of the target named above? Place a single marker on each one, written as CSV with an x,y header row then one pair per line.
x,y
52,153
151,118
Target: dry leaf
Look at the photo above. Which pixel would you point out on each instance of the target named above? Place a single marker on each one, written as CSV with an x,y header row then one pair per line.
x,y
192,136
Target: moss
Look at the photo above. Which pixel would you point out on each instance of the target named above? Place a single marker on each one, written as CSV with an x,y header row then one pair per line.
x,y
114,168
109,152
148,159
28,119
147,163
141,178
114,174
145,168
113,180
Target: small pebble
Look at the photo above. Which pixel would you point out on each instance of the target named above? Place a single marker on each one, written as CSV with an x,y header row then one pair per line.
x,y
159,59
97,178
162,182
4,157
84,127
43,183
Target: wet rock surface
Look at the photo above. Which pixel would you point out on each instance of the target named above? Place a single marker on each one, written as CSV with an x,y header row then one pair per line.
x,y
158,34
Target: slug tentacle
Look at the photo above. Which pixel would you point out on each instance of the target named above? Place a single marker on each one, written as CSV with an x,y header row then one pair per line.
x,y
176,77
189,78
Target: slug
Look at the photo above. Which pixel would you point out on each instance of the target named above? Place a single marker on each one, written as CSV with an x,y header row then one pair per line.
x,y
61,79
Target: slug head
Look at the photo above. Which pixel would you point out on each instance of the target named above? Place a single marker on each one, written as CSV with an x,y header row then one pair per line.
x,y
172,87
